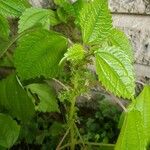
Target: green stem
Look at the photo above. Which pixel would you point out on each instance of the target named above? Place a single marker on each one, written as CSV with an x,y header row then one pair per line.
x,y
80,137
60,143
88,143
71,124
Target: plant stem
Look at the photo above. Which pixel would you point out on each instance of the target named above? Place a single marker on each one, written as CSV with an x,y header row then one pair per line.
x,y
60,143
71,123
82,140
88,143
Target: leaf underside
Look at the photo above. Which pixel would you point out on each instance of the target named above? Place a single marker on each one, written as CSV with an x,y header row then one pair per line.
x,y
48,101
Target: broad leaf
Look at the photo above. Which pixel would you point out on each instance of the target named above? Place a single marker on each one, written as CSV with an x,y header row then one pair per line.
x,y
4,27
35,16
13,7
132,135
118,38
143,105
39,53
95,21
15,99
47,96
9,131
115,71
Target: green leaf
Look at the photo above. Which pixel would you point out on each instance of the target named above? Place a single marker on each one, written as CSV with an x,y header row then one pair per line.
x,y
4,28
35,16
119,39
13,7
95,21
132,135
47,96
63,16
3,44
143,105
15,99
9,131
74,53
115,71
67,6
39,53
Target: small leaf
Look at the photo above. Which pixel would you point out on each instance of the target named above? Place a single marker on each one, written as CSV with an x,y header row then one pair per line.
x,y
13,7
39,53
15,99
115,71
9,131
95,21
119,39
35,16
132,135
74,53
143,105
67,6
4,28
48,101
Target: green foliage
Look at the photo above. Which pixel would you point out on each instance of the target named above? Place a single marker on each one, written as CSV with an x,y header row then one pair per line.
x,y
66,5
95,21
143,105
4,28
119,39
43,58
9,131
132,136
40,93
15,100
100,126
36,16
13,7
47,96
74,54
115,71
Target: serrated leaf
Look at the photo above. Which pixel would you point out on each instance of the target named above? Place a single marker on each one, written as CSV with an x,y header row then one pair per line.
x,y
115,71
9,131
119,39
4,28
75,53
35,16
95,21
15,99
143,105
13,7
132,135
48,101
39,53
